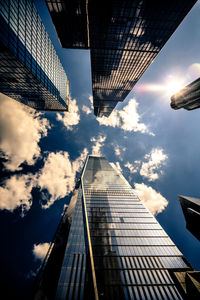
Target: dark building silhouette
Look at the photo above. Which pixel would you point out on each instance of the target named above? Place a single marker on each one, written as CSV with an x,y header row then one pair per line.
x,y
188,97
109,246
191,210
30,70
124,38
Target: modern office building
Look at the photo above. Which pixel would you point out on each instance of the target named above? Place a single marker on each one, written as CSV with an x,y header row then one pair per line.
x,y
188,97
124,37
30,70
191,210
109,246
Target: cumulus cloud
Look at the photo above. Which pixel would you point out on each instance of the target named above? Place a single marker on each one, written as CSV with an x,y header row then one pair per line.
x,y
113,120
71,117
58,175
151,168
128,119
133,168
153,200
86,110
21,130
40,250
16,192
98,144
119,150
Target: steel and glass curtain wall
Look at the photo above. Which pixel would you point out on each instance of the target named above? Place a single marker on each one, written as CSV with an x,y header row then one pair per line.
x,y
115,248
124,37
188,97
30,70
191,210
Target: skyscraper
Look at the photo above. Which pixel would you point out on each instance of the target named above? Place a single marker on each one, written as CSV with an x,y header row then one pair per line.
x,y
124,37
191,210
109,246
188,97
30,70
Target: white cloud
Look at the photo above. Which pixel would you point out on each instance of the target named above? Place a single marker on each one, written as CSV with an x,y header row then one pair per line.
x,y
16,192
150,169
58,175
128,119
86,110
71,117
78,163
113,120
40,250
153,200
98,144
21,130
133,168
119,150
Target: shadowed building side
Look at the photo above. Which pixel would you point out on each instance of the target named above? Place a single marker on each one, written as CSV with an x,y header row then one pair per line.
x,y
30,70
47,278
188,97
123,36
191,210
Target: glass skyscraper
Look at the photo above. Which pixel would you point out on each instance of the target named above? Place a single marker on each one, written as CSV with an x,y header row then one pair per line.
x,y
191,210
188,97
30,70
109,246
124,37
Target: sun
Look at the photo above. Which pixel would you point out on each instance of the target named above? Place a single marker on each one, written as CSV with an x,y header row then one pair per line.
x,y
173,85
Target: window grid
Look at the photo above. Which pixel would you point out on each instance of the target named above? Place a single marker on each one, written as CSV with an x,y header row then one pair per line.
x,y
131,251
27,43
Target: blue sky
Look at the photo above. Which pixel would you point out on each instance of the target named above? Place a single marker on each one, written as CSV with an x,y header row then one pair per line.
x,y
157,149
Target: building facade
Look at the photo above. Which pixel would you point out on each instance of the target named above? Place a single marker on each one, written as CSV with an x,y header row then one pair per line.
x,y
112,247
188,97
30,70
191,211
124,37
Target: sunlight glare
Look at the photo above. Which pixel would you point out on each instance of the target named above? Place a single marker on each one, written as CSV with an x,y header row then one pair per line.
x,y
173,85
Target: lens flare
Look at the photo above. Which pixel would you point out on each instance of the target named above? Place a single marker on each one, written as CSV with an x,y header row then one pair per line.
x,y
194,71
170,86
174,85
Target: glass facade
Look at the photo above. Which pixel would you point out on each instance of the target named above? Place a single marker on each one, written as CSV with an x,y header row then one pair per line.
x,y
30,70
191,211
188,97
124,38
115,249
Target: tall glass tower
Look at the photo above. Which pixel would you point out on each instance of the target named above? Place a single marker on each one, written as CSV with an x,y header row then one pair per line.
x,y
188,97
124,37
109,246
30,70
191,211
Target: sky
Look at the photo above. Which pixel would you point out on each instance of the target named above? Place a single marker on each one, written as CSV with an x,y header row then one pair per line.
x,y
156,148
